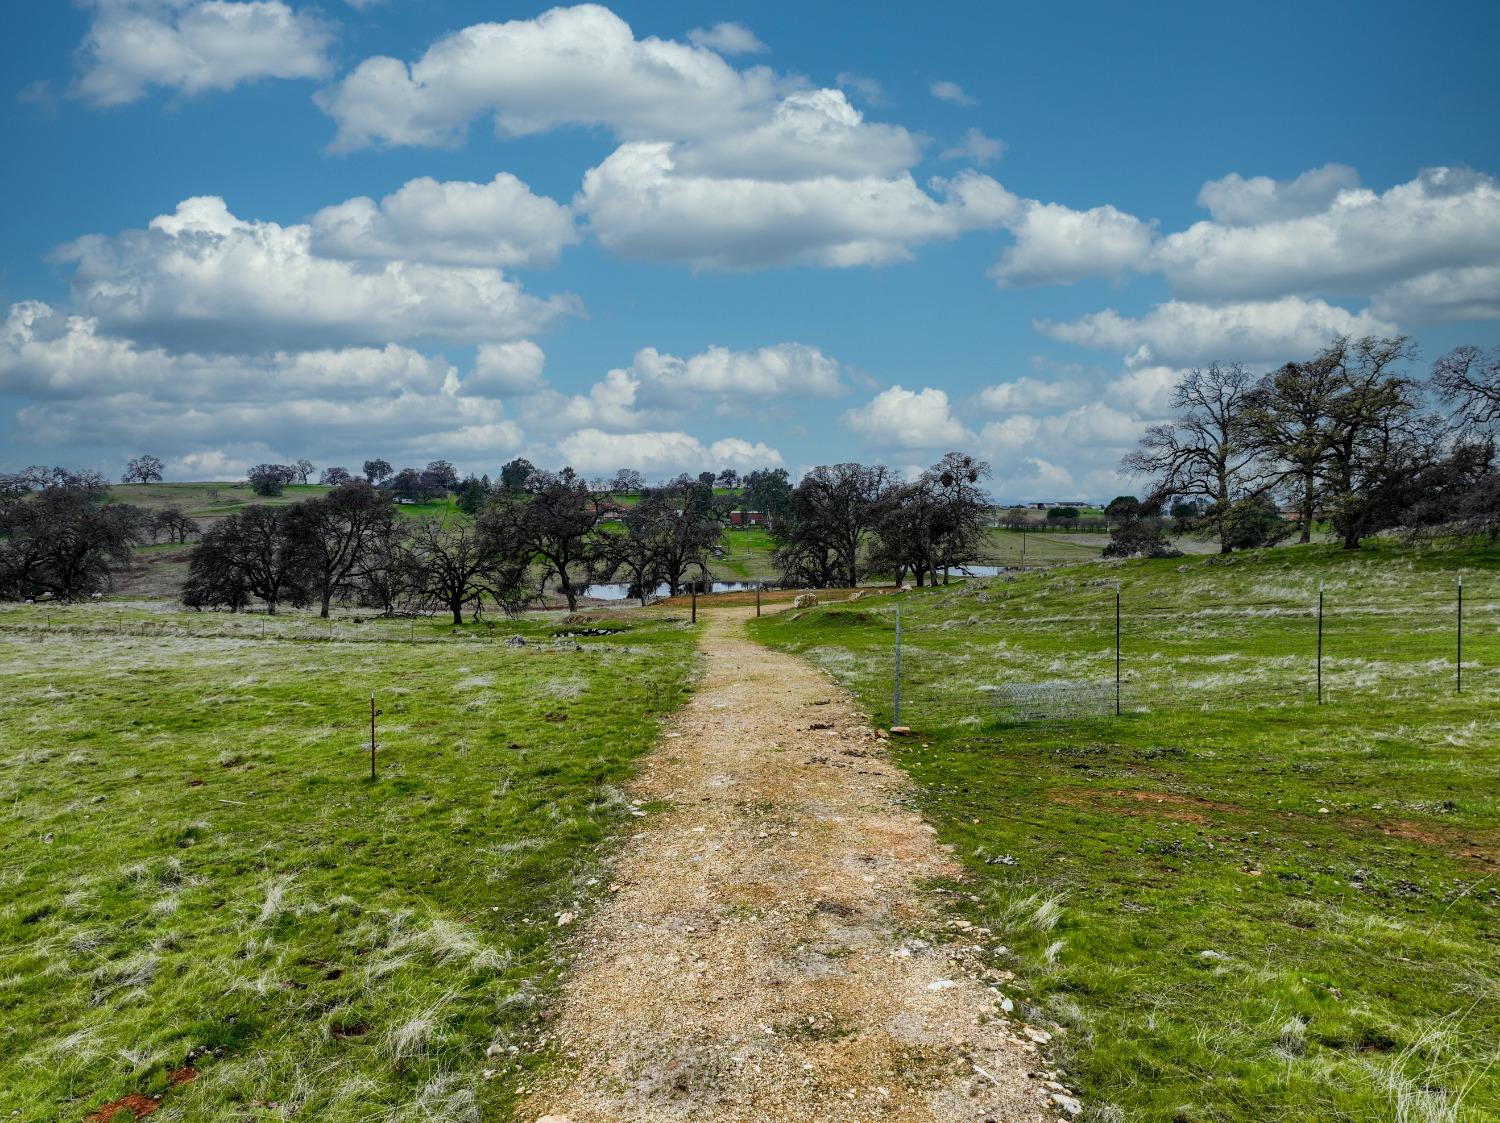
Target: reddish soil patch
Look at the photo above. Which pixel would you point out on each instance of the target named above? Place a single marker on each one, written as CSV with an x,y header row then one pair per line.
x,y
1483,851
1413,832
356,1029
138,1105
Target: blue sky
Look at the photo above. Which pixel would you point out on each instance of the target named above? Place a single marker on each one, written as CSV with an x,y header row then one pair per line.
x,y
721,236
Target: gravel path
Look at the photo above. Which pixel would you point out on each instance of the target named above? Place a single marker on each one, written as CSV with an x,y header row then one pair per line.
x,y
767,952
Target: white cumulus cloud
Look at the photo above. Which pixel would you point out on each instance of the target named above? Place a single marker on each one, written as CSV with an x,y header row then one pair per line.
x,y
499,223
1026,393
780,370
203,279
46,354
568,66
727,39
1237,201
898,418
1182,333
640,205
661,453
194,47
1058,245
79,387
977,147
945,90
660,389
1468,293
1444,219
506,370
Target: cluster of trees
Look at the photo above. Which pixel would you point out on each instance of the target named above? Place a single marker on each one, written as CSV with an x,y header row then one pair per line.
x,y
350,546
1345,436
846,520
60,536
63,537
312,552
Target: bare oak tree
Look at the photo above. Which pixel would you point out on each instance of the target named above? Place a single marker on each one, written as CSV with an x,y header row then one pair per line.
x,y
1209,451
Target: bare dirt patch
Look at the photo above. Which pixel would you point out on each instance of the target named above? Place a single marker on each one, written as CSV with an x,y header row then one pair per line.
x,y
1479,848
137,1105
758,960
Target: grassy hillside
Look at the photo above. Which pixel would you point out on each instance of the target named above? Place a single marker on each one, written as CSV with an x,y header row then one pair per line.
x,y
1232,903
215,500
198,873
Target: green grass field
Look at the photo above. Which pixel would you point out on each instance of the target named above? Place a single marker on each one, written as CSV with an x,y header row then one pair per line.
x,y
1232,903
199,873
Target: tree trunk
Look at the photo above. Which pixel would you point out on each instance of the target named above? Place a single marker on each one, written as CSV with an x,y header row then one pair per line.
x,y
270,608
327,597
457,608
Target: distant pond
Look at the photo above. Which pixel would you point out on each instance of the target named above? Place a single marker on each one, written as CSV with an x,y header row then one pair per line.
x,y
622,590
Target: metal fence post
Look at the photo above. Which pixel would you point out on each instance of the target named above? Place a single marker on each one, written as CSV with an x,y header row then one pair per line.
x,y
1117,649
1320,643
896,696
1460,668
757,600
373,712
694,590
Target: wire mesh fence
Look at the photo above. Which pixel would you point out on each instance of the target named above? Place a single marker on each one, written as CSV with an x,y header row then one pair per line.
x,y
1089,655
1058,698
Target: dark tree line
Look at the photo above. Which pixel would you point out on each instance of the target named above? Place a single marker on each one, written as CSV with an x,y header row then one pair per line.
x,y
1347,436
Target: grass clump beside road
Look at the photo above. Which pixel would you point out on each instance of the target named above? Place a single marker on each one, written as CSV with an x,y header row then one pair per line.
x,y
1231,903
199,874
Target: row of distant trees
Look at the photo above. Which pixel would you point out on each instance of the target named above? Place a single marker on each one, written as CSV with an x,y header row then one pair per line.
x,y
351,546
1347,437
63,535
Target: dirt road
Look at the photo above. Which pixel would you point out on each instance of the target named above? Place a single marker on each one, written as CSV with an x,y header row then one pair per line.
x,y
770,953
